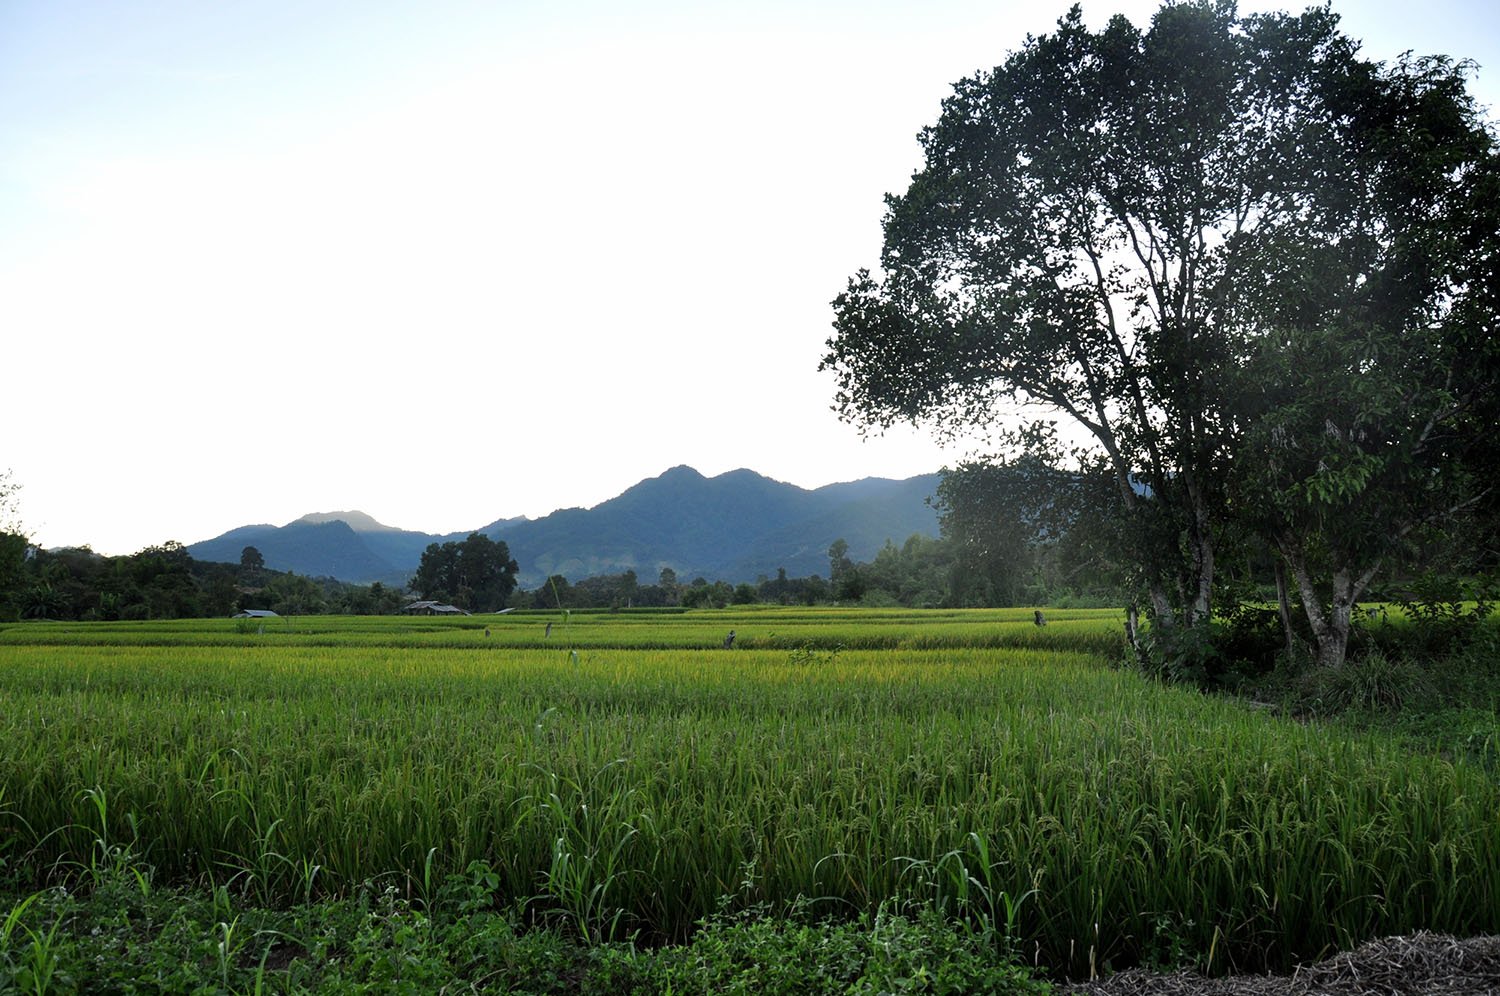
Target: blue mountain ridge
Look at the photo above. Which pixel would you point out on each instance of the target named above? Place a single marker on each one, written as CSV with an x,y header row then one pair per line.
x,y
736,526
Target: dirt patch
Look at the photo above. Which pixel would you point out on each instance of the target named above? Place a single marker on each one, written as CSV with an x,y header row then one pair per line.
x,y
1418,964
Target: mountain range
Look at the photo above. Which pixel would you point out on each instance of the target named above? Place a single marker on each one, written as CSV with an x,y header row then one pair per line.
x,y
735,527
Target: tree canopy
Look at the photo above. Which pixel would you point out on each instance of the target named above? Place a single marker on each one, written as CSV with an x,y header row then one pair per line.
x,y
1168,235
477,574
1368,386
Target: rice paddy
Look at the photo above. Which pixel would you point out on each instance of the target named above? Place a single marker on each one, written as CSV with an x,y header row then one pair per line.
x,y
625,775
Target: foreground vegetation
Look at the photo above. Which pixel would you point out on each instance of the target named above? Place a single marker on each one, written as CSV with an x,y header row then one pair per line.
x,y
120,937
626,779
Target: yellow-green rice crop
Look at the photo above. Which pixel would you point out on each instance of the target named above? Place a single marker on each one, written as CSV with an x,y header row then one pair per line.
x,y
621,787
1088,630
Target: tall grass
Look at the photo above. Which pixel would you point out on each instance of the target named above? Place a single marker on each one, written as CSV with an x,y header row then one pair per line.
x,y
1100,818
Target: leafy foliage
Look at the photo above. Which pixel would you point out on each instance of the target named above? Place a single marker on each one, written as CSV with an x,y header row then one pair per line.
x,y
126,935
1258,271
1066,243
1027,532
477,574
1377,349
164,582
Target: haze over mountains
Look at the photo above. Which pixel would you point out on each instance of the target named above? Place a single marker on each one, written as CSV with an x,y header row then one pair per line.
x,y
735,527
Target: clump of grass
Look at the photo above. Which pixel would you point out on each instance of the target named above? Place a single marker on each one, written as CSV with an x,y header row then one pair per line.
x,y
1375,682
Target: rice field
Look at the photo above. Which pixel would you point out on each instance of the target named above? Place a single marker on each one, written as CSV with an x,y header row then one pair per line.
x,y
627,776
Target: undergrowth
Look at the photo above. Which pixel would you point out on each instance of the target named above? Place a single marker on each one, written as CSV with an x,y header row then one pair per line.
x,y
123,936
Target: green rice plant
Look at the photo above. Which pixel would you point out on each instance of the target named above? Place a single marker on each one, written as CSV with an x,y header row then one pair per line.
x,y
110,860
590,849
262,869
13,964
13,920
33,970
964,884
1086,630
230,942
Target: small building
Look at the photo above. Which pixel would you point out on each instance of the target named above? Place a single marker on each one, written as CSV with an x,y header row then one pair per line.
x,y
256,614
428,608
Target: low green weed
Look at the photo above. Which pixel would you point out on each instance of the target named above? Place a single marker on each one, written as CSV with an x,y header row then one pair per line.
x,y
173,943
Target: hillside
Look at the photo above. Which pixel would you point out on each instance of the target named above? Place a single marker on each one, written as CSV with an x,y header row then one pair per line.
x,y
735,526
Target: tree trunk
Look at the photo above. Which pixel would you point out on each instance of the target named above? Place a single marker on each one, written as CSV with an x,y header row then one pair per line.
x,y
1179,592
1203,569
1333,636
1330,626
1284,607
1201,547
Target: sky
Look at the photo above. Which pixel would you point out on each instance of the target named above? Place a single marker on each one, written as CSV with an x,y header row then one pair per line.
x,y
448,262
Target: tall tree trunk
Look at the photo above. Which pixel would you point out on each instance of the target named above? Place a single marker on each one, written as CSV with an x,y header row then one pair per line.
x,y
1330,625
1284,608
1201,607
1201,549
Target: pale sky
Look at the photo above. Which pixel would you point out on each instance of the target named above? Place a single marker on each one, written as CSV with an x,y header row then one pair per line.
x,y
448,261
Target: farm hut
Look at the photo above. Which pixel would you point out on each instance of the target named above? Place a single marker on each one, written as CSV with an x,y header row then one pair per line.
x,y
256,614
428,608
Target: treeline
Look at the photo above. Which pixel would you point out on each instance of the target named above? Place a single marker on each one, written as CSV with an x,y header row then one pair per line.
x,y
996,549
1011,535
624,590
1016,534
165,582
964,568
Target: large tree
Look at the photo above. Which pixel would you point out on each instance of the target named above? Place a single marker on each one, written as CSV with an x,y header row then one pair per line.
x,y
477,574
1371,384
1081,237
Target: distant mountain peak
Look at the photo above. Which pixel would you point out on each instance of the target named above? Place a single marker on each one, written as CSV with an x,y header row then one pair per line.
x,y
360,522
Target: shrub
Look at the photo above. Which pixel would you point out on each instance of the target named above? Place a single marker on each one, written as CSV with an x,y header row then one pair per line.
x,y
1377,682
